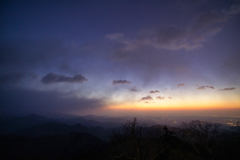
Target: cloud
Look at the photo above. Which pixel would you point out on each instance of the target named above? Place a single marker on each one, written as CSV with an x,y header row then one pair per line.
x,y
181,85
147,98
171,38
119,55
169,97
228,89
159,97
149,102
204,20
210,87
202,87
121,82
54,78
115,36
199,30
134,90
190,3
235,8
156,91
18,101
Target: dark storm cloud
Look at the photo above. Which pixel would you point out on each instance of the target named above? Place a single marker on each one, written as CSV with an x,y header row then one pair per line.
x,y
210,87
23,101
181,85
54,78
228,89
121,82
156,91
200,88
159,97
147,98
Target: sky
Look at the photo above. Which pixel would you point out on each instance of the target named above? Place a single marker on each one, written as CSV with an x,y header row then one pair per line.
x,y
120,57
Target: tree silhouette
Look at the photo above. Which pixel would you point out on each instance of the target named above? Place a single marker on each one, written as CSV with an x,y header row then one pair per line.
x,y
202,137
131,144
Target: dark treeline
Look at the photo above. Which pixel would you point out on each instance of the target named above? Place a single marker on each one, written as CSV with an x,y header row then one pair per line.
x,y
196,140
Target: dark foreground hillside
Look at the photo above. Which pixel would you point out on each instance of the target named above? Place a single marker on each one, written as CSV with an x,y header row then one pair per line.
x,y
65,146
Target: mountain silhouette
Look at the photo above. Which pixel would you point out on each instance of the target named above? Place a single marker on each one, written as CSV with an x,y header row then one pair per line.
x,y
55,128
13,124
16,124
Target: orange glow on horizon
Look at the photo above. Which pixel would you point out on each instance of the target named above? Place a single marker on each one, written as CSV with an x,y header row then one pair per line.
x,y
190,102
153,106
173,109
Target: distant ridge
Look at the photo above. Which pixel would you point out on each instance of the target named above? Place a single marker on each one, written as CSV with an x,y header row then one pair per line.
x,y
8,125
90,123
15,124
57,128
